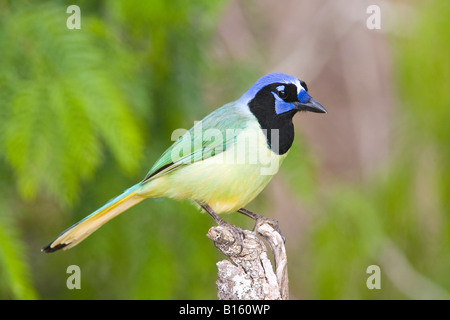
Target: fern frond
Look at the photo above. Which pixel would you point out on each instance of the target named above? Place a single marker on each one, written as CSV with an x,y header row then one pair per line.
x,y
62,104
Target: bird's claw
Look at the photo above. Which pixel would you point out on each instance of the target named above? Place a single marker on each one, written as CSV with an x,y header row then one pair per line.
x,y
238,234
272,222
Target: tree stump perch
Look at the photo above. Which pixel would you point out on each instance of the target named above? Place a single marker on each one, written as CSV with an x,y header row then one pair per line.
x,y
248,274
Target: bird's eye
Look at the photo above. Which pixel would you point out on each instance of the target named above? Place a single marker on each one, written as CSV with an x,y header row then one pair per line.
x,y
282,94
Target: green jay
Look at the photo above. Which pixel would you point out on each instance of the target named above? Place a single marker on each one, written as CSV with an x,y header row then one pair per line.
x,y
222,163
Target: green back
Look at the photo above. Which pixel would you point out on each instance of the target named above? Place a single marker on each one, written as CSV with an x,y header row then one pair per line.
x,y
208,137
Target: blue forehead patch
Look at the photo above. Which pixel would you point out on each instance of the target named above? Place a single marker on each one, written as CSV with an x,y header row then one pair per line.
x,y
303,96
266,80
281,88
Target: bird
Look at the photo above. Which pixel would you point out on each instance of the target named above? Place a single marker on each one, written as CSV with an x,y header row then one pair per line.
x,y
222,163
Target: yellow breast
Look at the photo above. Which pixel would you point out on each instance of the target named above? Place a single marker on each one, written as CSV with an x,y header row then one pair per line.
x,y
226,181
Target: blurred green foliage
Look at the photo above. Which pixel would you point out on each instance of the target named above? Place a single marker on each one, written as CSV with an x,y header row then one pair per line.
x,y
398,219
86,112
78,108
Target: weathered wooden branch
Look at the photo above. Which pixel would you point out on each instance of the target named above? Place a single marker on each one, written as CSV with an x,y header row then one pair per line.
x,y
248,274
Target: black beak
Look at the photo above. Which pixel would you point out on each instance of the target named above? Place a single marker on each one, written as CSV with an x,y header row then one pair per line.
x,y
312,106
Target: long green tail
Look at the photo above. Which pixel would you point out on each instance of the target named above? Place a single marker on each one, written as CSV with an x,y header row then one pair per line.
x,y
82,229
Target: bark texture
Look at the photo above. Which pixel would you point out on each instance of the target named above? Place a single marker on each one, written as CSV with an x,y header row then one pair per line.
x,y
248,273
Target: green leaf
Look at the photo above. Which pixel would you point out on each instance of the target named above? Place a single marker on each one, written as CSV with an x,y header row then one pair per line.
x,y
15,272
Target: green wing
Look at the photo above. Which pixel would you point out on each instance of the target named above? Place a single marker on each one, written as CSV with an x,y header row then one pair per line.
x,y
207,138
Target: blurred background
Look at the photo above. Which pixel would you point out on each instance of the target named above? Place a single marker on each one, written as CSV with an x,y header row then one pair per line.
x,y
85,113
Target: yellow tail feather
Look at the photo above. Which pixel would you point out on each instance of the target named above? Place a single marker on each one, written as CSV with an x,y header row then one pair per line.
x,y
88,225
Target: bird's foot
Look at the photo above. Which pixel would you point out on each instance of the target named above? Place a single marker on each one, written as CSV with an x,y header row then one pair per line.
x,y
237,233
237,237
259,219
